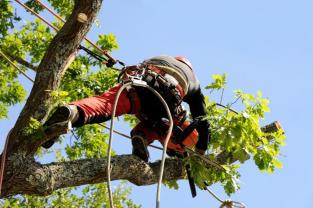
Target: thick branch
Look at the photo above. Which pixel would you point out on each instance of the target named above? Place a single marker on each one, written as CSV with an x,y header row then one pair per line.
x,y
40,179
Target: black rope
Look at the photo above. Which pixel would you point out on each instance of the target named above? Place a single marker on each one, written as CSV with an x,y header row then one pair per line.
x,y
109,62
93,54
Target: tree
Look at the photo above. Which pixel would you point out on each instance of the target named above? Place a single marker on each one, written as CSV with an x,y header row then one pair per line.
x,y
33,46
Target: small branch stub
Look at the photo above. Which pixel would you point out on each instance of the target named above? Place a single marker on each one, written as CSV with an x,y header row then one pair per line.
x,y
272,127
82,17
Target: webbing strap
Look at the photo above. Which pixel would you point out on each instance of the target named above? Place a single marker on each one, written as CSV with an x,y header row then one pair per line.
x,y
182,81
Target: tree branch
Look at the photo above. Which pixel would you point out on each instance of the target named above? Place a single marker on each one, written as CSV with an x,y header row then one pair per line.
x,y
21,61
39,179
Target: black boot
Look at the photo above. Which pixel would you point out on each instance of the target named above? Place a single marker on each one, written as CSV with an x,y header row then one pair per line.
x,y
140,148
63,117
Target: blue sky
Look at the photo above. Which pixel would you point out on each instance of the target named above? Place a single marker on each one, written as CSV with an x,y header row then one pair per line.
x,y
261,45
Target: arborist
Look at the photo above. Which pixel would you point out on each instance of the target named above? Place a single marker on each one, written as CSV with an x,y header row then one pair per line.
x,y
173,78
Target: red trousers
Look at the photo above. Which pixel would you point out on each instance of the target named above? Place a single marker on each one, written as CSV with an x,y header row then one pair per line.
x,y
98,109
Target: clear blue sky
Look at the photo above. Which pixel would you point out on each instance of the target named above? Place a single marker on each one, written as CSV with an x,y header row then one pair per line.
x,y
261,45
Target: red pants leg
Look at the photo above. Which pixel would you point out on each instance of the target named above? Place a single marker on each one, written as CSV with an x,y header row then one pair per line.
x,y
151,133
98,109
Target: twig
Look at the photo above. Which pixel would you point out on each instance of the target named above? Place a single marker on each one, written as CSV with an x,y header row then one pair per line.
x,y
235,101
16,67
221,100
228,108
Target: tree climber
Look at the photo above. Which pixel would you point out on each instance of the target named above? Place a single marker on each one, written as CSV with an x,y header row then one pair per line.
x,y
173,78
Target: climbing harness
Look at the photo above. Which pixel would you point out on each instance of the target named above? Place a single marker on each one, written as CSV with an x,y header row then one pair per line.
x,y
164,81
109,60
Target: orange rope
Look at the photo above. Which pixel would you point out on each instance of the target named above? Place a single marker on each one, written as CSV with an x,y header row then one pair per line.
x,y
89,41
37,15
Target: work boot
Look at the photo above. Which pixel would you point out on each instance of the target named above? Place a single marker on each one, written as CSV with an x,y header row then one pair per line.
x,y
63,117
140,148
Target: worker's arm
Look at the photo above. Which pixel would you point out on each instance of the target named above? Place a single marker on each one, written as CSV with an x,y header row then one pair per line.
x,y
197,108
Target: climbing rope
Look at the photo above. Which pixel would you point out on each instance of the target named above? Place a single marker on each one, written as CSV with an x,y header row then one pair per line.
x,y
110,144
128,137
110,61
129,84
37,15
88,40
224,203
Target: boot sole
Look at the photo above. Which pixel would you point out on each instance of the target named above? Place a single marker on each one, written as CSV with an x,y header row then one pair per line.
x,y
60,118
140,149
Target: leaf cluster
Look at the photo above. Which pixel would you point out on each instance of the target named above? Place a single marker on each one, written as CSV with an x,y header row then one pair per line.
x,y
90,141
238,135
7,18
92,196
34,129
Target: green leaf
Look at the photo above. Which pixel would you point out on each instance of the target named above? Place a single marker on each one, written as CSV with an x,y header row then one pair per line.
x,y
108,42
219,82
277,164
34,129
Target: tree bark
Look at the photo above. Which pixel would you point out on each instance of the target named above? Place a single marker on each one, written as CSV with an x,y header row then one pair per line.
x,y
37,179
22,147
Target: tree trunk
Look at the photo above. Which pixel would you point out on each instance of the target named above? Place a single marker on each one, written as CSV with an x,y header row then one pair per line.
x,y
22,146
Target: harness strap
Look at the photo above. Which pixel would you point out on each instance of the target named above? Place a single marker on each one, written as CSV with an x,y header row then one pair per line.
x,y
182,85
134,100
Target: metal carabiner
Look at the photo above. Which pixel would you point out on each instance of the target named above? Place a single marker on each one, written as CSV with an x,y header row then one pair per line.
x,y
136,75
